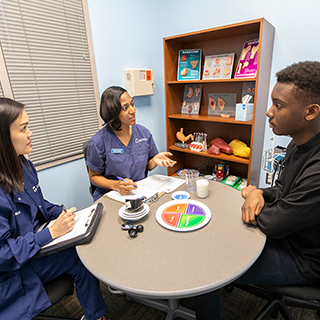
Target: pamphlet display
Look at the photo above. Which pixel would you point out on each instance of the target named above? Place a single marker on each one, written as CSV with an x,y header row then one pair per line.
x,y
218,66
191,99
248,92
248,61
189,64
222,104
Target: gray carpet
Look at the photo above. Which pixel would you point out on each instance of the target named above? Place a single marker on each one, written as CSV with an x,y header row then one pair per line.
x,y
236,305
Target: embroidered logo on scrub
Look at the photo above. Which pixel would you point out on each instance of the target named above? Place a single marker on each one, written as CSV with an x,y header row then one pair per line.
x,y
140,140
116,150
35,188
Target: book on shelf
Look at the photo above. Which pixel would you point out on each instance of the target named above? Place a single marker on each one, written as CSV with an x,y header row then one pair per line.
x,y
222,104
189,64
218,66
191,99
248,60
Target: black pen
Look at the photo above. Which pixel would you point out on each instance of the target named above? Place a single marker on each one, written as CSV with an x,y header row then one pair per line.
x,y
65,209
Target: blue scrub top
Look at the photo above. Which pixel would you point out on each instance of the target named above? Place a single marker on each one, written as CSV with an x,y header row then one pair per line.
x,y
22,295
108,155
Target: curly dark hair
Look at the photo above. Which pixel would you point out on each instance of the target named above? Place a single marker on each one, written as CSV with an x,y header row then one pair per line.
x,y
306,77
110,107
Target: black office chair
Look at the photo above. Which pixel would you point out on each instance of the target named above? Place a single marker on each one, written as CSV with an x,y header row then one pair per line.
x,y
281,297
85,148
57,289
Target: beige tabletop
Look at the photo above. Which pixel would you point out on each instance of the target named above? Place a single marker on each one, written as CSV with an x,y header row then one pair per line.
x,y
160,263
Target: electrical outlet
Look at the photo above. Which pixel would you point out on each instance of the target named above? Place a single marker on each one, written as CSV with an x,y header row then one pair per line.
x,y
269,178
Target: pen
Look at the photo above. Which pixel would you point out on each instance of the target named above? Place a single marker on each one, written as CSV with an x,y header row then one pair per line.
x,y
65,209
125,181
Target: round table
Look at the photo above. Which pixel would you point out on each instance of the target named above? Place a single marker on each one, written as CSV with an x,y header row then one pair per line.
x,y
164,264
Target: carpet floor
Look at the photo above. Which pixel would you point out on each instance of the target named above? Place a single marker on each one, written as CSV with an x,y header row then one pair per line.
x,y
236,305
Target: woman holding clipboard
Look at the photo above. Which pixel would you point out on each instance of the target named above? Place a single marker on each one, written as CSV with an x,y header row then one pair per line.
x,y
22,211
121,148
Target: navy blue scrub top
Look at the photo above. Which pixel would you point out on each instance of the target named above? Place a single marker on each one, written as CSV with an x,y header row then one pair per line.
x,y
108,155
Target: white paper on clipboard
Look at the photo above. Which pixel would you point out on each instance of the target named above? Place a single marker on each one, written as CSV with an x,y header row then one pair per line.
x,y
148,187
81,223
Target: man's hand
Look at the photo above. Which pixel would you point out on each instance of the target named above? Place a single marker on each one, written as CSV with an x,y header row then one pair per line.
x,y
252,206
245,191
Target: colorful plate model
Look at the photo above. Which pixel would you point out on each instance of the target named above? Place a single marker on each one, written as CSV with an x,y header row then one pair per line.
x,y
183,215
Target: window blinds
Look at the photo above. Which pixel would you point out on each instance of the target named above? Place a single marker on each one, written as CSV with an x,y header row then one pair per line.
x,y
46,53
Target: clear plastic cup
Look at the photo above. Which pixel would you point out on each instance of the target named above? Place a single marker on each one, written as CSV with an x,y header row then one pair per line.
x,y
191,178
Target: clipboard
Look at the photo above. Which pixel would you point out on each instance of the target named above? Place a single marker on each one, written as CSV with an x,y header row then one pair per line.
x,y
86,223
152,186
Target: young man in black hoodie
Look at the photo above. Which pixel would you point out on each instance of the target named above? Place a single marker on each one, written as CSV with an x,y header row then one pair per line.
x,y
289,212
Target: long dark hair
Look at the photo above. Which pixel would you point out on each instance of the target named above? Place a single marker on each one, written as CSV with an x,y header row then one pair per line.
x,y
110,107
11,171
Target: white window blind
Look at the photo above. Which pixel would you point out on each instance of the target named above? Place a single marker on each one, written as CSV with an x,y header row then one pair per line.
x,y
46,53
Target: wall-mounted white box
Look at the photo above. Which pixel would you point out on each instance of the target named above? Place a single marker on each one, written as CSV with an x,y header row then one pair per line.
x,y
244,111
139,82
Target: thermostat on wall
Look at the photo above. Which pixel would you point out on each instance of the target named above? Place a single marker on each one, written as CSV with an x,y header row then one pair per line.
x,y
139,82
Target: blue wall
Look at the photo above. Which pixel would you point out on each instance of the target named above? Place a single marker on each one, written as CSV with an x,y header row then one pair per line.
x,y
130,35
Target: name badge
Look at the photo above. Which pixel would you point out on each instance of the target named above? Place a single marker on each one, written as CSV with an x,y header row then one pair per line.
x,y
116,150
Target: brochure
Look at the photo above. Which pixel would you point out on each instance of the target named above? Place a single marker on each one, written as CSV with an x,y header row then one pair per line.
x,y
191,98
248,60
189,64
218,66
248,92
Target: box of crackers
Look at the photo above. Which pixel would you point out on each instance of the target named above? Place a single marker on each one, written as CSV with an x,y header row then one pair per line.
x,y
218,66
189,64
248,60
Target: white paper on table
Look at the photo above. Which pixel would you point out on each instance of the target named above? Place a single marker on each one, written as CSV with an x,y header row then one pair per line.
x,y
148,187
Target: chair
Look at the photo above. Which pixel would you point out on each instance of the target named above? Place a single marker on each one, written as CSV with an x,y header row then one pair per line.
x,y
57,289
281,297
85,148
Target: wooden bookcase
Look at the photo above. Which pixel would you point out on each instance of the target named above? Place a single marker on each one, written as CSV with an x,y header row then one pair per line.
x,y
226,39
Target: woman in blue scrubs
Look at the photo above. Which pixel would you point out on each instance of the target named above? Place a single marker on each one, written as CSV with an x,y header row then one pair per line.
x,y
22,210
122,147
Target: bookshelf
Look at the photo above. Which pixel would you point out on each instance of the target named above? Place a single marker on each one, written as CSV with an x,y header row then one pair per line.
x,y
220,40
